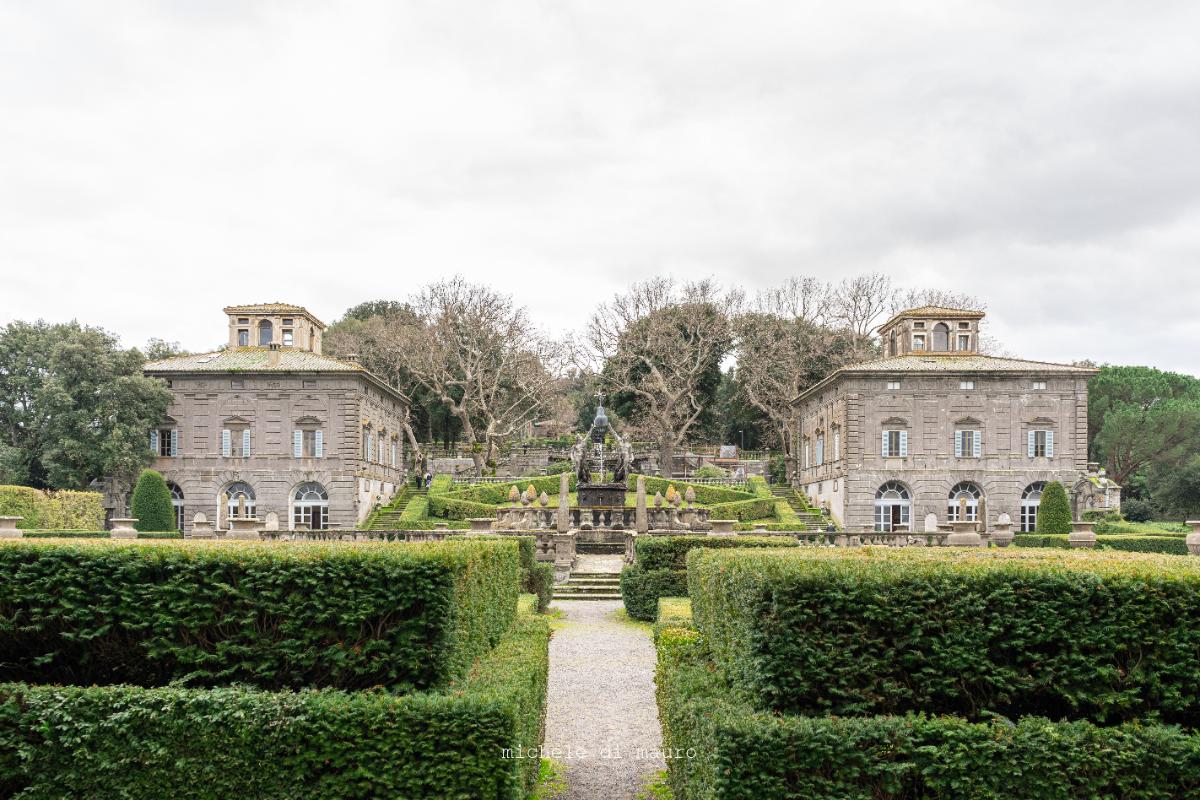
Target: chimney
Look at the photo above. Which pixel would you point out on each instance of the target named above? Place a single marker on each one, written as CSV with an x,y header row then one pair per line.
x,y
351,357
273,351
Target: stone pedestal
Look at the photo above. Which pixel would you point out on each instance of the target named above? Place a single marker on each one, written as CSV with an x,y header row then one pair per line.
x,y
1082,535
122,528
1002,536
964,535
641,518
244,528
722,527
8,528
564,556
480,525
1193,538
202,528
562,515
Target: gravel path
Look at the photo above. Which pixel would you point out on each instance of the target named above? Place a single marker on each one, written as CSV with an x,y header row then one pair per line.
x,y
602,722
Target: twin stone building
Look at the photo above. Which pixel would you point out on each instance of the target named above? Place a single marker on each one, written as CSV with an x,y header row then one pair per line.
x,y
933,432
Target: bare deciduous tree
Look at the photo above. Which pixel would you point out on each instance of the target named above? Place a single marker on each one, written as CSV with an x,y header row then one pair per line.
x,y
657,342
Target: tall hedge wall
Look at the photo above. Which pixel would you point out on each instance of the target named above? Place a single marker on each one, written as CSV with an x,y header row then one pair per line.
x,y
723,748
1050,633
705,495
212,744
1159,543
307,615
58,510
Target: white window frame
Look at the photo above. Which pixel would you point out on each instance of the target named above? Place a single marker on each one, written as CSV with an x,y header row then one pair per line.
x,y
893,385
966,386
894,443
1039,386
1041,443
968,443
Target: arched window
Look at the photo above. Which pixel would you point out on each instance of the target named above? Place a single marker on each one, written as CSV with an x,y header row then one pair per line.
x,y
265,333
1031,499
239,500
964,497
893,507
177,504
941,337
310,507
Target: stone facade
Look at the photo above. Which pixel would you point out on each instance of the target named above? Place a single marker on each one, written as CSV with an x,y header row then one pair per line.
x,y
324,436
917,439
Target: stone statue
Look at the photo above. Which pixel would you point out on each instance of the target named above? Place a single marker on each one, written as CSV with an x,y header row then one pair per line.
x,y
624,462
579,460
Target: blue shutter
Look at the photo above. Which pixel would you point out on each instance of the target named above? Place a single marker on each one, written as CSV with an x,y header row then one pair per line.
x,y
904,444
246,443
883,449
1049,444
320,444
298,444
226,443
1032,443
958,437
154,442
977,443
174,442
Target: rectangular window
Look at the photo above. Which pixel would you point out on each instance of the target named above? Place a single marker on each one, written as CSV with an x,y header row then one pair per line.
x,y
287,321
893,385
393,452
243,338
1039,385
895,444
243,320
308,384
919,325
806,455
1041,444
967,444
919,342
964,326
964,342
240,384
966,385
837,444
287,338
820,450
166,442
235,443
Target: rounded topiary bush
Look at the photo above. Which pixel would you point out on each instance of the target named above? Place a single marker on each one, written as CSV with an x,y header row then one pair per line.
x,y
151,503
1054,514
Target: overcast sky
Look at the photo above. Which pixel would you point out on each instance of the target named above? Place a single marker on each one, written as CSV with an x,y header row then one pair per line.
x,y
160,160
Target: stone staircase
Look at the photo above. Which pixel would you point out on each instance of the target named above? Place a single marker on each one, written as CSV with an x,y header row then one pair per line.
x,y
810,519
600,548
387,518
589,586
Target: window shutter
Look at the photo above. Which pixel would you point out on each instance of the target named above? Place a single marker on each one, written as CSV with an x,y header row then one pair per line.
x,y
174,441
320,443
1049,443
246,443
1032,443
977,443
883,449
298,444
226,443
904,444
154,442
958,438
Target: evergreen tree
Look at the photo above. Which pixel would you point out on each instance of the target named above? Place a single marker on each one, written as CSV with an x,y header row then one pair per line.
x,y
1054,514
151,503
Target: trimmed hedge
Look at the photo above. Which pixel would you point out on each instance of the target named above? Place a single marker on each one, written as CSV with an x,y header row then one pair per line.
x,y
497,493
641,589
670,552
540,581
52,510
705,495
333,615
722,749
1163,543
210,744
98,535
661,568
743,510
151,503
1035,632
1054,513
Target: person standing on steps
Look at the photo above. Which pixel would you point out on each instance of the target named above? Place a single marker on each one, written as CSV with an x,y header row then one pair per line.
x,y
428,479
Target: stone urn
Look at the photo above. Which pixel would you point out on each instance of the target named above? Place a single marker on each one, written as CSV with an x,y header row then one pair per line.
x,y
245,528
1193,538
963,534
8,528
122,528
722,527
1002,536
1082,535
480,524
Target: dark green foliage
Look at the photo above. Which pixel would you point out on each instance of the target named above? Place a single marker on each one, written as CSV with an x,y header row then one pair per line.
x,y
1136,510
212,744
540,581
641,589
743,510
151,503
670,552
42,510
1054,514
1049,633
98,535
1176,489
1163,543
404,617
737,752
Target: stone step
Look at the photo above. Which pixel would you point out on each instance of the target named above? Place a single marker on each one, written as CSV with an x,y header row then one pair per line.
x,y
588,587
558,596
614,575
